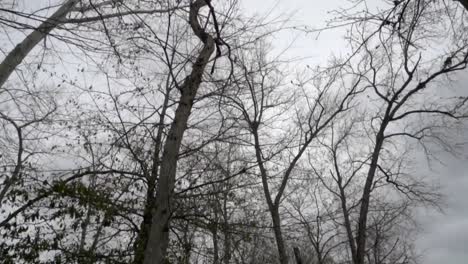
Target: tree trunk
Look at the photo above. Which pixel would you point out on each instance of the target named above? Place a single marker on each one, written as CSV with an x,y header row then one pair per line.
x,y
347,221
16,56
297,255
273,207
283,257
365,200
214,233
158,239
145,226
227,236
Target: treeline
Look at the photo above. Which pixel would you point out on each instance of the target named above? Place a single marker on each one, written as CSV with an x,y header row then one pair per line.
x,y
172,132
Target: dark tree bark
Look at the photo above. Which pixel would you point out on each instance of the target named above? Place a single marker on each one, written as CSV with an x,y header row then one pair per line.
x,y
297,255
464,3
364,210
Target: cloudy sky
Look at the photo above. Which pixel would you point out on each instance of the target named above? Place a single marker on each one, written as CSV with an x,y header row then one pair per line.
x,y
444,236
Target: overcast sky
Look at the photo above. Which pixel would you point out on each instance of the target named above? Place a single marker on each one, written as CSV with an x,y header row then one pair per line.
x,y
444,237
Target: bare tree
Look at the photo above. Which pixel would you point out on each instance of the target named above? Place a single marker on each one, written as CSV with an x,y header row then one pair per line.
x,y
179,125
262,104
158,237
66,13
399,76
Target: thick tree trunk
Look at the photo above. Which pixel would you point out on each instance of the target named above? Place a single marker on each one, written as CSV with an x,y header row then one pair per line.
x,y
17,55
158,239
365,200
145,226
283,256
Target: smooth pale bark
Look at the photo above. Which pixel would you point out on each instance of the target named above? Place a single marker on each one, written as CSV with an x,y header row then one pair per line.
x,y
17,55
158,240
